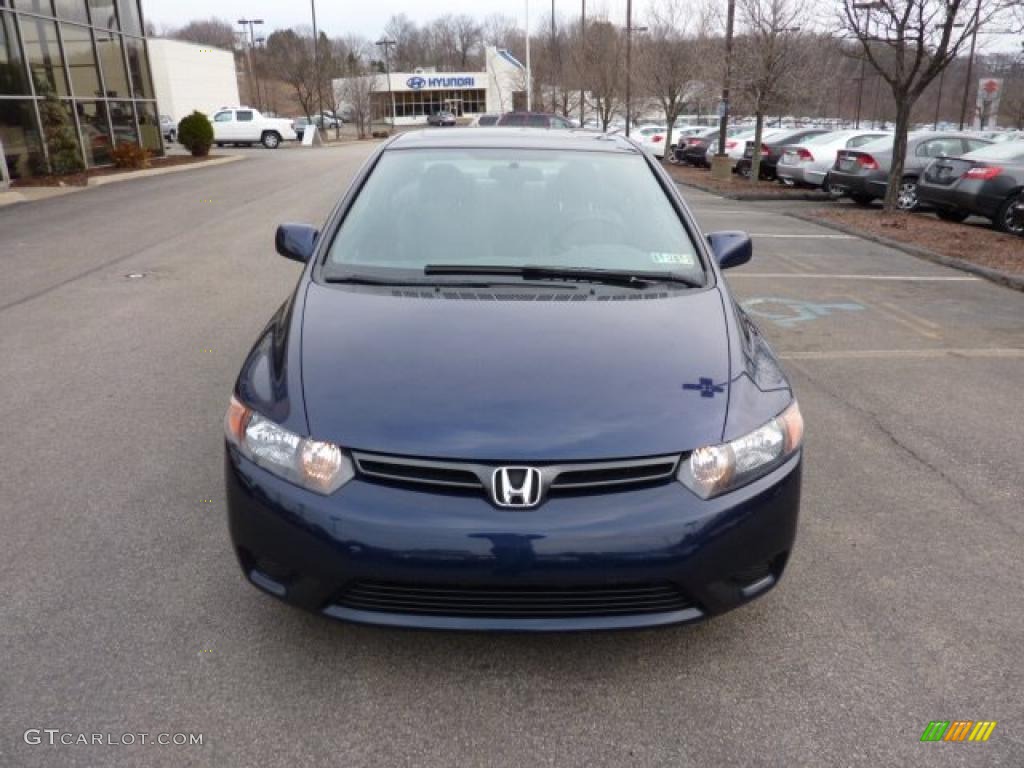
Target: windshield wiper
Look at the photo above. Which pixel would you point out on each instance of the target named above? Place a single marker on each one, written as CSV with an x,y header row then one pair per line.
x,y
631,278
356,279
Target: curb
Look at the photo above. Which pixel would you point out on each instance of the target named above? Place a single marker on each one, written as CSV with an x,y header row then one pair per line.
x,y
100,181
1016,282
754,197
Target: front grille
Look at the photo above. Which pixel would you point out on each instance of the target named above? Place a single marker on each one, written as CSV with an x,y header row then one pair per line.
x,y
521,602
556,478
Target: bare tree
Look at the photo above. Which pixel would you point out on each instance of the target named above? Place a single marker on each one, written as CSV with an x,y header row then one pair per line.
x,y
217,33
909,43
604,77
667,58
408,51
468,33
291,55
769,58
500,31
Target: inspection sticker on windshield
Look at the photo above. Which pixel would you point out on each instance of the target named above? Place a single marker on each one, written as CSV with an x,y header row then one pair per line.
x,y
673,258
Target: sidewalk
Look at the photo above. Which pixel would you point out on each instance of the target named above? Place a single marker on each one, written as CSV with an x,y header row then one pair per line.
x,y
32,194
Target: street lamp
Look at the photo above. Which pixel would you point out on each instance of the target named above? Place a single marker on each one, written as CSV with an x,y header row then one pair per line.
x,y
529,70
864,59
723,108
583,59
630,29
250,23
316,66
386,44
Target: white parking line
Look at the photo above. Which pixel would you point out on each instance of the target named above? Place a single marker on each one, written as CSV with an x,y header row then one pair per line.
x,y
909,278
888,354
805,237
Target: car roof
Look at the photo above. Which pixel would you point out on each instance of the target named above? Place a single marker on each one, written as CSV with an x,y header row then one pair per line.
x,y
512,138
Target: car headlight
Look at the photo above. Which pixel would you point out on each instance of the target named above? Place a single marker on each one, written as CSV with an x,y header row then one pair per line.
x,y
715,469
314,464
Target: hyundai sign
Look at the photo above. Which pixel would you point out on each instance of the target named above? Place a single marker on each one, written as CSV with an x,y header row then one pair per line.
x,y
459,81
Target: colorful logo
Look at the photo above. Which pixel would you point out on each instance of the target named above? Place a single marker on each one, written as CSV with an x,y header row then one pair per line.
x,y
958,730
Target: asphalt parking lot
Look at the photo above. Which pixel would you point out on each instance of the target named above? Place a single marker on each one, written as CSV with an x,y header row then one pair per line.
x,y
126,311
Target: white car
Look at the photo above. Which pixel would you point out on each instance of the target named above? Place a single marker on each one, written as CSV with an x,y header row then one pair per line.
x,y
809,161
243,125
651,138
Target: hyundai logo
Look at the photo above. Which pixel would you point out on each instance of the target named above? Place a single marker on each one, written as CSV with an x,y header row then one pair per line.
x,y
416,83
518,487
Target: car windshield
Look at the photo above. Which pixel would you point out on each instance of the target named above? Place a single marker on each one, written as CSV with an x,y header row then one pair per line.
x,y
482,207
1011,151
883,144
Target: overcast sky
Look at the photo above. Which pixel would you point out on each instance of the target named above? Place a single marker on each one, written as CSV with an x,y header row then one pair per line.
x,y
367,17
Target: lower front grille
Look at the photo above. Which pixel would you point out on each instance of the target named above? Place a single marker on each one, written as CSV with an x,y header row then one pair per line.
x,y
523,602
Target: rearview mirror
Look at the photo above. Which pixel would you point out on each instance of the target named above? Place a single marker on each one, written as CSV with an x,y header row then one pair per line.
x,y
731,248
296,241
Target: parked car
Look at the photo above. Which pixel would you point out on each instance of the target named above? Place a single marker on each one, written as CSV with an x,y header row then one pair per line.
x,y
528,449
863,173
168,128
441,118
533,120
772,147
485,121
734,147
651,138
693,149
809,162
987,182
299,125
244,125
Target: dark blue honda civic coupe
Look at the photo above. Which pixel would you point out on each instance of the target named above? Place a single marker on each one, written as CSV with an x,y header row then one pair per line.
x,y
512,391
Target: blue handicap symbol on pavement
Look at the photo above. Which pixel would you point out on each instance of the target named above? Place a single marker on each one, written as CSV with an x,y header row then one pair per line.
x,y
790,312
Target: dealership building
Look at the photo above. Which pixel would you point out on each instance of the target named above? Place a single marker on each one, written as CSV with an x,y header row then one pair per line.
x,y
499,88
73,68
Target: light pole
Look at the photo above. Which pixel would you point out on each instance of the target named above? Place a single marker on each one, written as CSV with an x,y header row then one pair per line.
x,y
316,66
583,59
529,71
864,57
630,29
386,44
723,107
250,23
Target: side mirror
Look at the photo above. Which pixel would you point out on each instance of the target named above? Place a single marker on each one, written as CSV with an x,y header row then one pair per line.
x,y
296,241
731,248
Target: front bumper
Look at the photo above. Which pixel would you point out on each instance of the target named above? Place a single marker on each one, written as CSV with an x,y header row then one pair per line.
x,y
313,551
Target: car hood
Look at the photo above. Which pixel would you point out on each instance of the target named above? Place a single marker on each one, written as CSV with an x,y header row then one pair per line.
x,y
515,380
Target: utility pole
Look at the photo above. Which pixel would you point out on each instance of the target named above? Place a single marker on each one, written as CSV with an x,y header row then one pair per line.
x,y
316,66
629,64
558,69
386,44
723,107
938,100
250,42
970,66
583,60
864,57
529,70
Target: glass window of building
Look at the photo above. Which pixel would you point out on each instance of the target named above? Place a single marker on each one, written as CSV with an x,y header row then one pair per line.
x,y
43,53
81,57
115,76
12,69
72,10
18,132
44,7
95,131
122,117
103,13
149,126
138,67
131,21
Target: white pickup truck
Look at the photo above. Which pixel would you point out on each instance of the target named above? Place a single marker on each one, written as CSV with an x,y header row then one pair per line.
x,y
242,125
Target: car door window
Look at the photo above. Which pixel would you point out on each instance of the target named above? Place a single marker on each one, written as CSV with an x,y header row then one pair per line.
x,y
222,117
972,144
537,121
939,148
244,116
857,141
557,122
